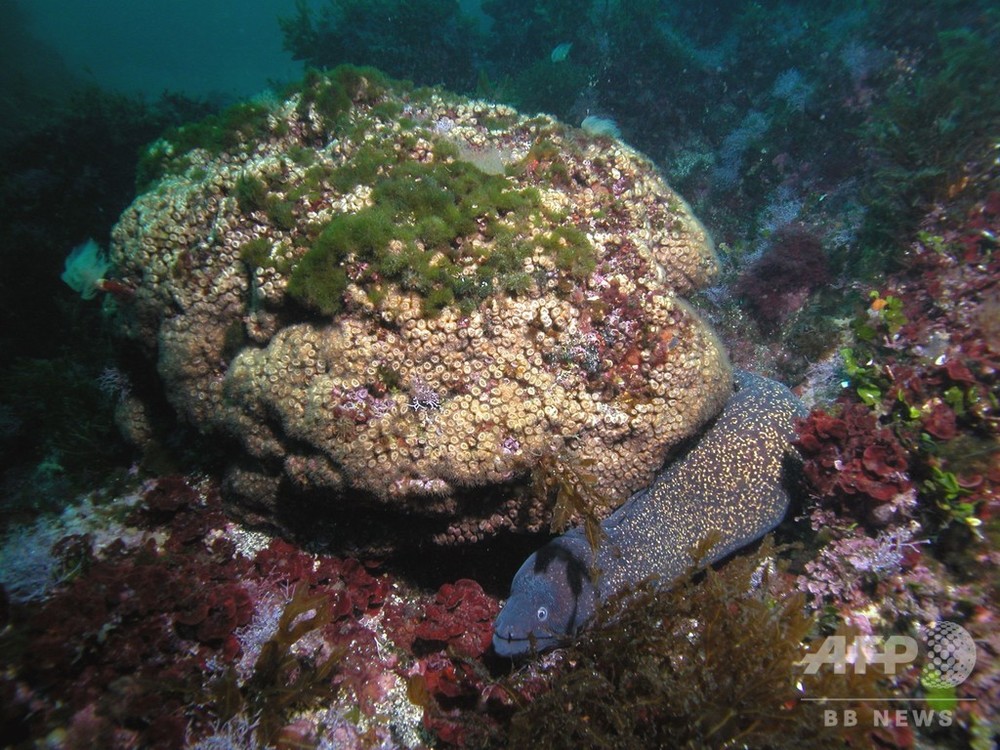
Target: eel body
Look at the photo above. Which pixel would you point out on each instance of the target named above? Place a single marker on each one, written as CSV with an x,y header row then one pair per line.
x,y
732,482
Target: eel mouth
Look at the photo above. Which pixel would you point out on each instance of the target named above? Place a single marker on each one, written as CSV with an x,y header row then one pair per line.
x,y
511,647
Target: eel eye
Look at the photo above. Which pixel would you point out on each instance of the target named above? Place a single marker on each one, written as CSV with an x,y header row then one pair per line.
x,y
543,614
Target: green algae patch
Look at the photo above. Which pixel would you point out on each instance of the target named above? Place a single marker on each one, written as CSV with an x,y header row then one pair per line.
x,y
250,193
256,253
331,95
335,93
170,155
417,234
573,252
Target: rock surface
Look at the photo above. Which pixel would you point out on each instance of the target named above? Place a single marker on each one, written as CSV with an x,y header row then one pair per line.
x,y
399,300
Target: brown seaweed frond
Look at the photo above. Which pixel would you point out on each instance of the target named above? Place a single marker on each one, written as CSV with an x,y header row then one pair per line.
x,y
283,680
711,662
574,488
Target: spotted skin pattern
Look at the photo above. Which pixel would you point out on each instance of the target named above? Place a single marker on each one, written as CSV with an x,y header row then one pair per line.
x,y
731,482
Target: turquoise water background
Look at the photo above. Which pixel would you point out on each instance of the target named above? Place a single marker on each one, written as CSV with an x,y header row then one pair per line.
x,y
196,46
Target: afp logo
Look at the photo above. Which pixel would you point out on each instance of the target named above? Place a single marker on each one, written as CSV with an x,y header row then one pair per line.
x,y
948,650
950,656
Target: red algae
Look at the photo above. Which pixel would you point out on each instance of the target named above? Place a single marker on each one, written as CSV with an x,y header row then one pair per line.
x,y
776,286
193,629
850,459
904,469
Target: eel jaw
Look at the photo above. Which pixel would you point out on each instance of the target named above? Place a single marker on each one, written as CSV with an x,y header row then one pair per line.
x,y
511,647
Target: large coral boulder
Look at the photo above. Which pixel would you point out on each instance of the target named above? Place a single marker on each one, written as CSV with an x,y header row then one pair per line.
x,y
397,301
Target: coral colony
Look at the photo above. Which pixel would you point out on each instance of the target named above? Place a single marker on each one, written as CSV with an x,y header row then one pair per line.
x,y
432,308
370,343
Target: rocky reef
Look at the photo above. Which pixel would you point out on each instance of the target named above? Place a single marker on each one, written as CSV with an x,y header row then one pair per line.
x,y
403,301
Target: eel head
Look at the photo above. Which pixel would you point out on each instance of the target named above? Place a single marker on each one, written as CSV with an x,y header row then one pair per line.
x,y
551,598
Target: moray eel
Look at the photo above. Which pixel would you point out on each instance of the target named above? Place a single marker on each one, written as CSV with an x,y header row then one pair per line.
x,y
732,481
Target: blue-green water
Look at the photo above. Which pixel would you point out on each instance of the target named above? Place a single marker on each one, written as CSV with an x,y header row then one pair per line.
x,y
190,46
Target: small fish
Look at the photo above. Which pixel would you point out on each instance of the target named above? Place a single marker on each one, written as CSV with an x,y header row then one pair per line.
x,y
561,52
